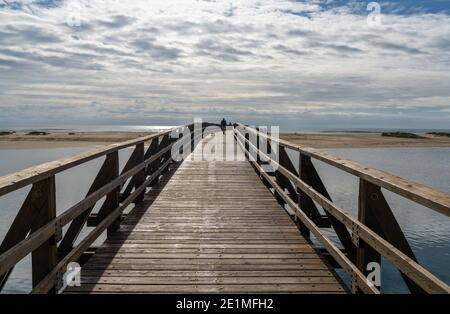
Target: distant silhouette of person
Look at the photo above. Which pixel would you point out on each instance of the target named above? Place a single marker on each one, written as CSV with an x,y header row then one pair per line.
x,y
223,125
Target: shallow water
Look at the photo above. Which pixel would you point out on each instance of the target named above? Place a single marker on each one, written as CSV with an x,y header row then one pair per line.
x,y
428,232
71,187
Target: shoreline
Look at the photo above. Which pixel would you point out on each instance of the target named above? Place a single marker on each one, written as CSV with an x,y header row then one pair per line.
x,y
364,140
63,139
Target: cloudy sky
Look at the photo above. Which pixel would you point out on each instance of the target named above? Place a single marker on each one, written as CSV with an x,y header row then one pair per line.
x,y
298,64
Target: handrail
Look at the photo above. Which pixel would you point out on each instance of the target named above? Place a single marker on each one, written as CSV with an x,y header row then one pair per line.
x,y
145,168
419,193
331,247
19,179
16,247
45,284
408,266
23,248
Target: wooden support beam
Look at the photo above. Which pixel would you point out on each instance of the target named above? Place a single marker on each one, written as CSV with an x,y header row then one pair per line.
x,y
191,130
112,198
140,176
133,161
282,180
375,212
365,254
166,141
104,176
247,151
152,150
310,176
153,166
258,138
305,202
45,257
21,225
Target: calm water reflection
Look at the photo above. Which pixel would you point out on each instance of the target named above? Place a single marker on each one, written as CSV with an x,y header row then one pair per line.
x,y
71,187
428,232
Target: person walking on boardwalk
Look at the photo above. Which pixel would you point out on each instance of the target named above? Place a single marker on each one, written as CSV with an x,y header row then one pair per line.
x,y
223,125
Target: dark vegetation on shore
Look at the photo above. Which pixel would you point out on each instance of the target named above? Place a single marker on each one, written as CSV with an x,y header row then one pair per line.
x,y
445,134
3,133
401,134
37,133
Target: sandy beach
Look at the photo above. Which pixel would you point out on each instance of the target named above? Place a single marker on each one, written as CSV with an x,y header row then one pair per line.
x,y
363,140
57,139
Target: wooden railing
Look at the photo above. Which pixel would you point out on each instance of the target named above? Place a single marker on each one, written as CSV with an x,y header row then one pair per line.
x,y
373,234
38,230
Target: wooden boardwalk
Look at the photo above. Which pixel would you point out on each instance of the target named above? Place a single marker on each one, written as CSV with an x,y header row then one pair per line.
x,y
212,224
208,227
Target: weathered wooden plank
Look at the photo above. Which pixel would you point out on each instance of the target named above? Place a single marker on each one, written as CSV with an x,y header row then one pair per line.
x,y
188,280
206,267
307,273
211,233
150,250
192,288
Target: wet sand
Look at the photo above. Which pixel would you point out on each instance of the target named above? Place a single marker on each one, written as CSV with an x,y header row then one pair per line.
x,y
57,139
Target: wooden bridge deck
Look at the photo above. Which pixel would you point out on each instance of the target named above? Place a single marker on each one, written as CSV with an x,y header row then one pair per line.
x,y
208,227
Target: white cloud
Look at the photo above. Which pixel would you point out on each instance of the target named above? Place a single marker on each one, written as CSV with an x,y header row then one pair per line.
x,y
244,57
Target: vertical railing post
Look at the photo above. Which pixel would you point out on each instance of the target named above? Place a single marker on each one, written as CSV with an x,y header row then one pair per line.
x,y
45,257
191,130
364,253
157,162
112,198
140,176
104,176
21,225
303,199
247,146
167,155
375,212
258,159
152,150
310,176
